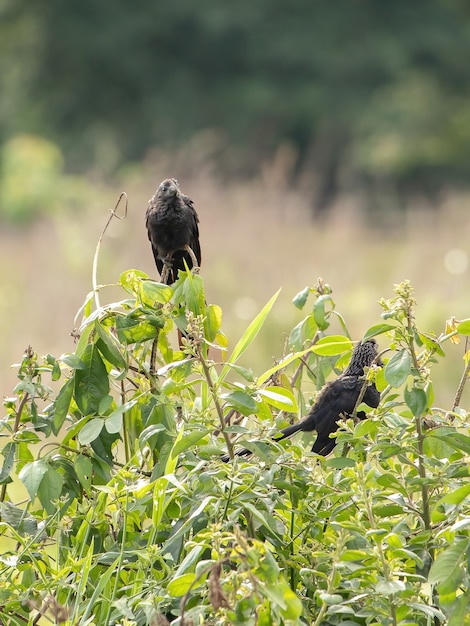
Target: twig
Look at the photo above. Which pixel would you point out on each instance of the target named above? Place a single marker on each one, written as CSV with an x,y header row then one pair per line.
x,y
98,245
462,382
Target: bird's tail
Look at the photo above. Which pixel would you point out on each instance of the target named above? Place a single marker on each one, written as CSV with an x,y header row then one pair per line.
x,y
288,431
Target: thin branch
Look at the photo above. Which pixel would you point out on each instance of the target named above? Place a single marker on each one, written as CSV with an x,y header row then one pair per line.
x,y
98,245
462,382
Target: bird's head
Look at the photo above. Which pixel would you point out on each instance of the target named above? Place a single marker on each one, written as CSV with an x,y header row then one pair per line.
x,y
364,354
168,188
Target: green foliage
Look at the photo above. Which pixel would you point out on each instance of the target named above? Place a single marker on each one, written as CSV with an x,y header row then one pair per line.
x,y
131,517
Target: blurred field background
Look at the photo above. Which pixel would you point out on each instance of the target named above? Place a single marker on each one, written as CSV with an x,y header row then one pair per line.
x,y
316,139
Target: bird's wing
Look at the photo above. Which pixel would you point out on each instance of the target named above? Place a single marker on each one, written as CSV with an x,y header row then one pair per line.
x,y
194,229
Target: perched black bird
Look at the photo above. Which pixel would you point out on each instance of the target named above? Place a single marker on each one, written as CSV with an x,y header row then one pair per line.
x,y
337,399
172,226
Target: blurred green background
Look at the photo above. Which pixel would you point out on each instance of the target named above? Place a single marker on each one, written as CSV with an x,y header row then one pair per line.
x,y
316,139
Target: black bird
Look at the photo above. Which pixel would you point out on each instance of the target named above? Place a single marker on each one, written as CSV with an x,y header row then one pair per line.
x,y
172,227
337,399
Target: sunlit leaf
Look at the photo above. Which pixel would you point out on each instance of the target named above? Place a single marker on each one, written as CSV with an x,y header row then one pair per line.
x,y
189,440
320,311
280,398
463,327
332,345
91,431
32,474
241,401
416,400
181,585
250,333
378,329
91,383
50,489
447,562
398,368
301,298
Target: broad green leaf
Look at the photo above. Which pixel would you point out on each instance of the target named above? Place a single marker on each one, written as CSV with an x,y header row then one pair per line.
x,y
398,368
340,462
152,293
416,400
303,332
463,327
110,348
459,610
8,453
32,474
212,321
455,497
73,361
180,585
91,431
131,330
330,598
301,298
132,279
280,398
61,405
50,490
390,587
189,440
320,312
84,468
378,329
113,422
250,334
447,562
241,401
332,345
91,383
150,431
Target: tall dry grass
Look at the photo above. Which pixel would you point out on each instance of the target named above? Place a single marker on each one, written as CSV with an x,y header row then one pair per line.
x,y
256,236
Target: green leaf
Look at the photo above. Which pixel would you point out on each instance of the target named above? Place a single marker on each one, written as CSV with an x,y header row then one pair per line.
x,y
455,497
180,585
378,329
416,400
50,490
131,280
8,454
241,401
62,405
464,327
332,345
447,562
84,469
188,441
249,335
91,383
212,321
152,293
398,368
301,298
32,474
280,398
113,422
110,348
91,431
131,330
320,313
340,462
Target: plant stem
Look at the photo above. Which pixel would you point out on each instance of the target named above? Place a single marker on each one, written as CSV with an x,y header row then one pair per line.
x,y
462,382
215,399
